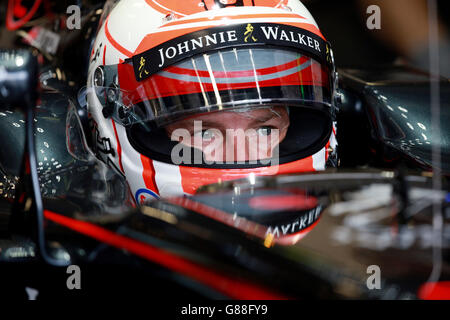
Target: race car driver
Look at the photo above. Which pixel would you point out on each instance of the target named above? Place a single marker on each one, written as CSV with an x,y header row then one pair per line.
x,y
189,93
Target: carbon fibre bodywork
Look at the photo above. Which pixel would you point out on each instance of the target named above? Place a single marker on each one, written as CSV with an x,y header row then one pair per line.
x,y
396,104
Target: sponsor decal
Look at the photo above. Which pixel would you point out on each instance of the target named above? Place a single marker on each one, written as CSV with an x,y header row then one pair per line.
x,y
241,35
96,54
301,223
143,195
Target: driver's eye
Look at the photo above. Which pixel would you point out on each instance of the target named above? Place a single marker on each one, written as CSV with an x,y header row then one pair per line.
x,y
264,131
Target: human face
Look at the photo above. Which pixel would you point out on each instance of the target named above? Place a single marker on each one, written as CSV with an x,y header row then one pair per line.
x,y
232,135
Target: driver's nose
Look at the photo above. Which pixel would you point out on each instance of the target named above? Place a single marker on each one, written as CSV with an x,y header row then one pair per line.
x,y
236,147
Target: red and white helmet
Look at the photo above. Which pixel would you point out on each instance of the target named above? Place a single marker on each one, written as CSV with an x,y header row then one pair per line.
x,y
155,62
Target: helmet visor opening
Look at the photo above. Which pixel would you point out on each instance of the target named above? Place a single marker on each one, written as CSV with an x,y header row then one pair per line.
x,y
302,134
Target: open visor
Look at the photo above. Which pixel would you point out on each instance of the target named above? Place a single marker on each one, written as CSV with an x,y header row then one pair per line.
x,y
218,80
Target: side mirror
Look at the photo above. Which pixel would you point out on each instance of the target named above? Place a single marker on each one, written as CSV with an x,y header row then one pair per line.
x,y
18,79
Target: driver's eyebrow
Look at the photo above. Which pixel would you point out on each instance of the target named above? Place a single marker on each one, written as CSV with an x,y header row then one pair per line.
x,y
266,118
209,124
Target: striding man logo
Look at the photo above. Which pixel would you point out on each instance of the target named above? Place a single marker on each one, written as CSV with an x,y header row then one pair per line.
x,y
328,54
142,68
249,33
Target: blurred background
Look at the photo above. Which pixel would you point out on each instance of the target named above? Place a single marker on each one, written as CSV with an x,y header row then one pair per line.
x,y
403,37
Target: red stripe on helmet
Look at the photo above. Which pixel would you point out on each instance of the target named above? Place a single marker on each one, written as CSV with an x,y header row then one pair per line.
x,y
237,74
167,87
327,153
149,174
104,54
114,43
